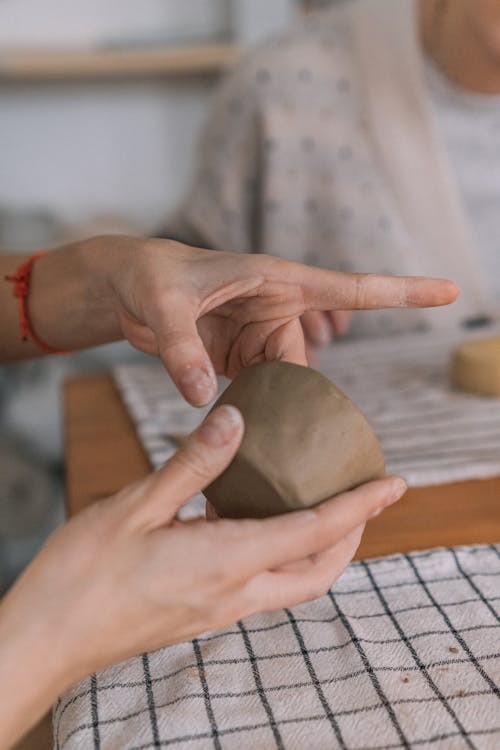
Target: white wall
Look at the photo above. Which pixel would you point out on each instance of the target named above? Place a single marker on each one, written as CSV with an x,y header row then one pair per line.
x,y
90,148
253,19
66,22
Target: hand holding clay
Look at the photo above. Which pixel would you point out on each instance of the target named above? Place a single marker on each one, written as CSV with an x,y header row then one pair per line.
x,y
304,441
133,578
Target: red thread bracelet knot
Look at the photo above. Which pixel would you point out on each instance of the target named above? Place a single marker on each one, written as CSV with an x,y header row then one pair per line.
x,y
21,290
21,284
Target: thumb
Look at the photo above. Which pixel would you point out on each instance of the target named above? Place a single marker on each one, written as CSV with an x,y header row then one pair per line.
x,y
205,455
183,353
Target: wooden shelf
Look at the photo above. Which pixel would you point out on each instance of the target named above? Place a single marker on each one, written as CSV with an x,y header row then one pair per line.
x,y
33,66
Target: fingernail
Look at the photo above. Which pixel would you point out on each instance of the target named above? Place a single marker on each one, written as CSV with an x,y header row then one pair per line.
x,y
221,426
397,490
198,386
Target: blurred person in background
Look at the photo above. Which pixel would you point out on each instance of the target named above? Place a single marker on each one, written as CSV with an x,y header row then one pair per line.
x,y
368,138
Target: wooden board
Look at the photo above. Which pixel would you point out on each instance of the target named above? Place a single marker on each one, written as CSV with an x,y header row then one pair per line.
x,y
45,65
40,737
103,454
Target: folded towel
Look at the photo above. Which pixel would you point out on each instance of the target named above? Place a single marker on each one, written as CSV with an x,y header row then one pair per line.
x,y
404,652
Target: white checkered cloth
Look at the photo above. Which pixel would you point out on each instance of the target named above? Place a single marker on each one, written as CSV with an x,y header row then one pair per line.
x,y
403,653
430,433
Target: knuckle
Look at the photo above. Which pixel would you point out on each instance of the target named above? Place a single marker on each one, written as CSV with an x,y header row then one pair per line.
x,y
180,341
359,290
407,297
193,461
157,287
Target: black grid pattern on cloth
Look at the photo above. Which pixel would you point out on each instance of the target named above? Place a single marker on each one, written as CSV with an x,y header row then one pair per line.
x,y
403,652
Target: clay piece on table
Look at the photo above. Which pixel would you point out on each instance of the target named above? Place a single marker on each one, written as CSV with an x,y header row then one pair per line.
x,y
475,367
305,441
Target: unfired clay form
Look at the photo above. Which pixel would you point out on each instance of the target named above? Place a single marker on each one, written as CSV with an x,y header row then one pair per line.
x,y
475,367
304,442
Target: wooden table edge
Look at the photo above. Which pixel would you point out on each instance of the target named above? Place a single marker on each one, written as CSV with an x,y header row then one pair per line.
x,y
104,454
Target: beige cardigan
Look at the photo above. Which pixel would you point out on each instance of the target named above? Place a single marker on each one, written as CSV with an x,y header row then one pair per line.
x,y
320,147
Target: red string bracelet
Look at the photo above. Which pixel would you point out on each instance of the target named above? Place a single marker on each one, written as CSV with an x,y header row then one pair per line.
x,y
21,289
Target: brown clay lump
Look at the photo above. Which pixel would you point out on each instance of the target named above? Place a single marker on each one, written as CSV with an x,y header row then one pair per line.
x,y
305,441
475,367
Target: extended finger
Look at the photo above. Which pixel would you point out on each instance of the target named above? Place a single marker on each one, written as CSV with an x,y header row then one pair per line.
x,y
274,542
353,538
305,580
330,290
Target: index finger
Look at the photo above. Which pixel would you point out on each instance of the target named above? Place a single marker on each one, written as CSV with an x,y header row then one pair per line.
x,y
332,290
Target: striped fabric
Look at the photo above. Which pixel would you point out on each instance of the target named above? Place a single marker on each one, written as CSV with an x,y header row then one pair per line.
x,y
402,653
430,433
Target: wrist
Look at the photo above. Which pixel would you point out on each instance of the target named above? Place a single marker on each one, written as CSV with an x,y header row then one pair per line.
x,y
71,299
32,674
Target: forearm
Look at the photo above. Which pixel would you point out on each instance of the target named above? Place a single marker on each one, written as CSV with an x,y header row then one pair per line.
x,y
69,303
31,676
